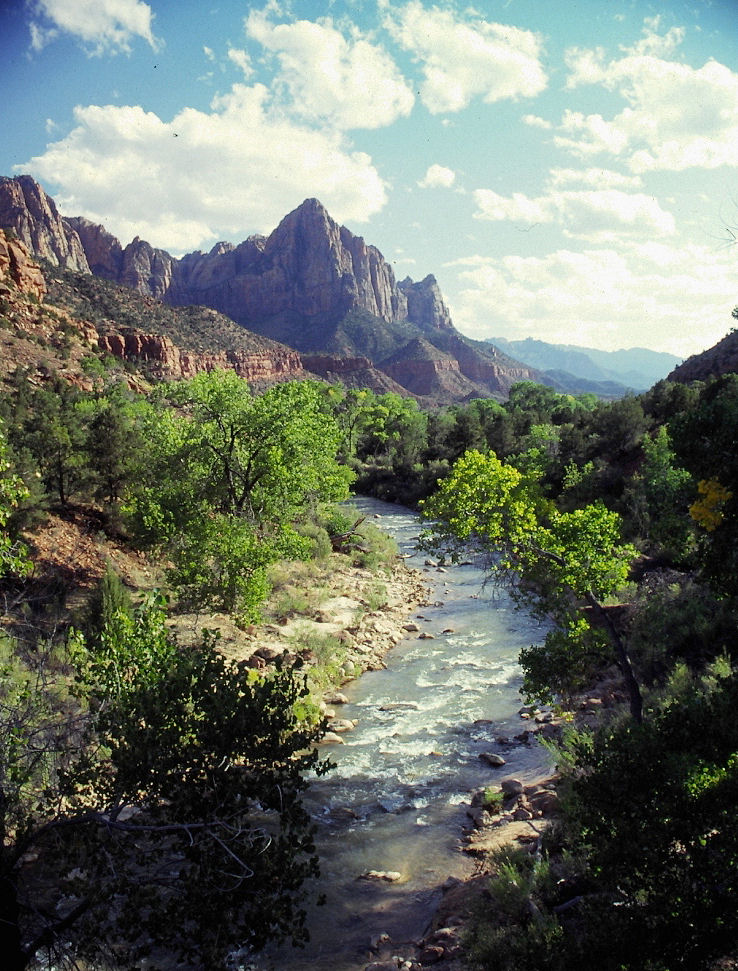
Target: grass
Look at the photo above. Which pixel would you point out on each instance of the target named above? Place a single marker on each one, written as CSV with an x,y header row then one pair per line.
x,y
330,654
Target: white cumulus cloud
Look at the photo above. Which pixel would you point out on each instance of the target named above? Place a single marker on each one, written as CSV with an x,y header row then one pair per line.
x,y
102,25
437,177
203,176
592,214
347,82
648,294
463,59
675,116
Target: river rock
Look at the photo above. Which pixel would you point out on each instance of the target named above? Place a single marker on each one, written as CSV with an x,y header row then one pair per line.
x,y
269,653
512,787
432,954
388,876
493,759
331,738
411,628
478,816
425,636
445,934
343,725
335,698
546,802
521,814
377,940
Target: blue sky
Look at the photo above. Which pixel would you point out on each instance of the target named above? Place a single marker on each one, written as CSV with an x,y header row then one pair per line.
x,y
567,171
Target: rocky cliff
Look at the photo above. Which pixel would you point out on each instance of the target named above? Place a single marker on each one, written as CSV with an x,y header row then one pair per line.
x,y
54,327
32,215
311,285
18,271
722,358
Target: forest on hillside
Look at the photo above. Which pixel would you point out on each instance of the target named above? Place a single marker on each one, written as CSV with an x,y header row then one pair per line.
x,y
168,780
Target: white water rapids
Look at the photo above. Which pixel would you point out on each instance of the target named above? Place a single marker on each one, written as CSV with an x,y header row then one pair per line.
x,y
396,800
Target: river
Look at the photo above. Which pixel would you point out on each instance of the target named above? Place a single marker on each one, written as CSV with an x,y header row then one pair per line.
x,y
397,798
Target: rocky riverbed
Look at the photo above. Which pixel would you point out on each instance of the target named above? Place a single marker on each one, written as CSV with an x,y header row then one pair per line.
x,y
347,612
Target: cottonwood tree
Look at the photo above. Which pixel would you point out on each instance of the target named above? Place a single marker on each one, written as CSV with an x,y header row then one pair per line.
x,y
228,476
565,563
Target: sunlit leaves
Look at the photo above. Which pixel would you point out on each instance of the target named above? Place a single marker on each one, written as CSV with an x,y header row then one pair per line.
x,y
13,558
561,560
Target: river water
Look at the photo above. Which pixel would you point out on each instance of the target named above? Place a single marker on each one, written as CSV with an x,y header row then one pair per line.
x,y
397,799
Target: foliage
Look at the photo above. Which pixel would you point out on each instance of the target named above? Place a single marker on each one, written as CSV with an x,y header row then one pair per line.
x,y
680,620
704,439
108,598
659,496
13,553
176,819
226,480
52,430
564,664
562,560
523,936
662,844
222,562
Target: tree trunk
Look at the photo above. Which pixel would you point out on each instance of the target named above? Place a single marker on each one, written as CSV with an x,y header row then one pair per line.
x,y
624,663
13,955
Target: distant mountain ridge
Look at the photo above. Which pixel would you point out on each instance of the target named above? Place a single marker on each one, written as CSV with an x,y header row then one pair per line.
x,y
311,285
634,369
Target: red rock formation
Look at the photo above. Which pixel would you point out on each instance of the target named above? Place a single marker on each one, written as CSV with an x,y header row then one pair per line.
x,y
353,372
168,361
425,303
103,251
32,215
19,269
309,267
312,285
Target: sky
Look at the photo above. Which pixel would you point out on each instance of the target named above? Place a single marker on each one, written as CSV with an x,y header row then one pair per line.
x,y
567,171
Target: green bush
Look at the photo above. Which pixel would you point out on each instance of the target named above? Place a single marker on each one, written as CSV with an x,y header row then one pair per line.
x,y
318,538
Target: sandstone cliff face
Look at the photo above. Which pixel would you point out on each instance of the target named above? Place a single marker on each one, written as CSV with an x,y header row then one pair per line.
x,y
32,215
308,267
425,303
103,251
353,372
18,270
167,361
311,284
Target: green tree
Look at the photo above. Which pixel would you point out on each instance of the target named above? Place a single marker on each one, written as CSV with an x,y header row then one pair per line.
x,y
13,553
653,809
705,439
260,456
53,432
166,813
570,560
112,445
395,433
227,479
659,496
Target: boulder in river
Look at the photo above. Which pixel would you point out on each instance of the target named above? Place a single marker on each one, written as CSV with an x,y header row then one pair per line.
x,y
388,876
493,759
